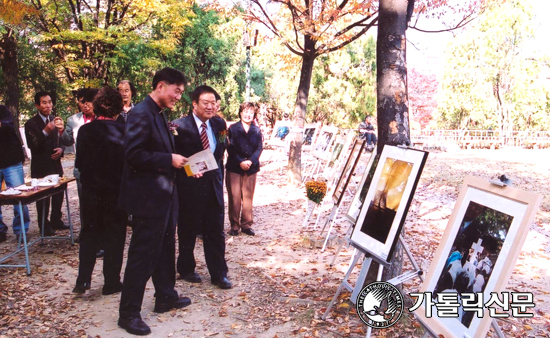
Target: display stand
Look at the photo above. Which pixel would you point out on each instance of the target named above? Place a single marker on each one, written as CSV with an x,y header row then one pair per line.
x,y
355,290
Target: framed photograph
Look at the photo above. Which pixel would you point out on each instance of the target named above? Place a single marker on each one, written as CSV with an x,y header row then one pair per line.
x,y
326,137
387,201
478,251
310,134
357,202
347,172
280,132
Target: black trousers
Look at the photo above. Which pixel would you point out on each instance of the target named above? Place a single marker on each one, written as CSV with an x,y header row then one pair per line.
x,y
104,226
205,215
151,253
56,202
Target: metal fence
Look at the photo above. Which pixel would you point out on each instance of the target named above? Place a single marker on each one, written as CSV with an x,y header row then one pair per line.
x,y
480,139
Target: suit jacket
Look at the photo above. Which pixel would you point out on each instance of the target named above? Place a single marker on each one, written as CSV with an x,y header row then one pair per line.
x,y
148,178
100,148
42,148
188,142
244,146
11,149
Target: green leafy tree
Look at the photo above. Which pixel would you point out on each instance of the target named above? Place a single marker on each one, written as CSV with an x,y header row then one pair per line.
x,y
491,80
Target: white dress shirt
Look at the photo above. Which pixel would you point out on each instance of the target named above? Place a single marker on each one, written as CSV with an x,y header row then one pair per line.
x,y
209,132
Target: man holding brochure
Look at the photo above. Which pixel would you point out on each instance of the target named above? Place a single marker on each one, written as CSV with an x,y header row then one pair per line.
x,y
204,135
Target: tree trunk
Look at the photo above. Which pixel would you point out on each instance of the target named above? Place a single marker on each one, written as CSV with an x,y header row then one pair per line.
x,y
392,96
295,153
10,68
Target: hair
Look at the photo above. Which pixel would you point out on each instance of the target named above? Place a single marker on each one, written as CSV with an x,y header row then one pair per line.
x,y
201,90
40,95
90,94
80,93
108,102
132,87
217,96
247,105
170,76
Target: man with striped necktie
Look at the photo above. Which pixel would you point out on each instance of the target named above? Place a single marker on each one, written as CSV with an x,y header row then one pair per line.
x,y
201,207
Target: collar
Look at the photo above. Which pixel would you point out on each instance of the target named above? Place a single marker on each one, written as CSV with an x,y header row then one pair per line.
x,y
199,123
44,118
156,106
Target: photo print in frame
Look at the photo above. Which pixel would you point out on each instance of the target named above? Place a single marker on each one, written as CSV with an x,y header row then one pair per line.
x,y
477,252
357,202
387,201
351,163
281,131
310,134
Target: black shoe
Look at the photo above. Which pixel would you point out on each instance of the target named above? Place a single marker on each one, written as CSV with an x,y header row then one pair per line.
x,y
165,306
192,277
134,325
2,237
248,231
81,288
59,225
48,232
111,289
222,283
234,232
100,253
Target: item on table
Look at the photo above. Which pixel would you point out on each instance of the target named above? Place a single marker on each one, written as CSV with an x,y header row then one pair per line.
x,y
10,191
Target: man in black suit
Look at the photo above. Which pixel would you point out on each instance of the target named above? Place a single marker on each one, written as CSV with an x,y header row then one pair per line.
x,y
201,197
148,194
46,152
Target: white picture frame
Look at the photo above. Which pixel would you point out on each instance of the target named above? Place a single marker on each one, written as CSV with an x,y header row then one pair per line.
x,y
496,220
387,202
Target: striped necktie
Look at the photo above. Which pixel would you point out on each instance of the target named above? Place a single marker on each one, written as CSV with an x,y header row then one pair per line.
x,y
204,137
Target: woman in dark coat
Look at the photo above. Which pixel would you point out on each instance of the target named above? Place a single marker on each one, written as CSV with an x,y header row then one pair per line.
x,y
243,163
100,161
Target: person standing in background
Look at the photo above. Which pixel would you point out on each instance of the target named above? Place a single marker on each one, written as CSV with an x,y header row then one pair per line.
x,y
128,92
243,164
44,142
11,170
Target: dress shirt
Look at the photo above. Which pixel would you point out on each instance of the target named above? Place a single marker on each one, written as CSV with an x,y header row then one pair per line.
x,y
46,120
209,132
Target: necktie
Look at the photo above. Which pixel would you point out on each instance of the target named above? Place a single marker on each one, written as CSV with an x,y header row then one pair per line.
x,y
204,137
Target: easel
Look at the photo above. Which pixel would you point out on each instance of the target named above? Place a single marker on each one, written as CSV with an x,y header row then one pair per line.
x,y
355,290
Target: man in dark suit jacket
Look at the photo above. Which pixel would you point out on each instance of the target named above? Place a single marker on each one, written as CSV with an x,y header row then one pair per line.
x,y
148,194
46,152
201,197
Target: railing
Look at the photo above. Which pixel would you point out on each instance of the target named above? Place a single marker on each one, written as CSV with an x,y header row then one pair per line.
x,y
480,139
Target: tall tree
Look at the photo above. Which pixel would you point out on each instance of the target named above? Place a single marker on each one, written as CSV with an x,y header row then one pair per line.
x,y
12,14
422,96
492,79
310,28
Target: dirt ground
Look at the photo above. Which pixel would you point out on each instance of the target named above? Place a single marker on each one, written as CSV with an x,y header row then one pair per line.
x,y
281,286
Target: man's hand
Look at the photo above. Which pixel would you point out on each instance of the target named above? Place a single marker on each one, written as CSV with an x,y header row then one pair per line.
x,y
59,124
50,126
245,165
178,161
57,153
198,175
